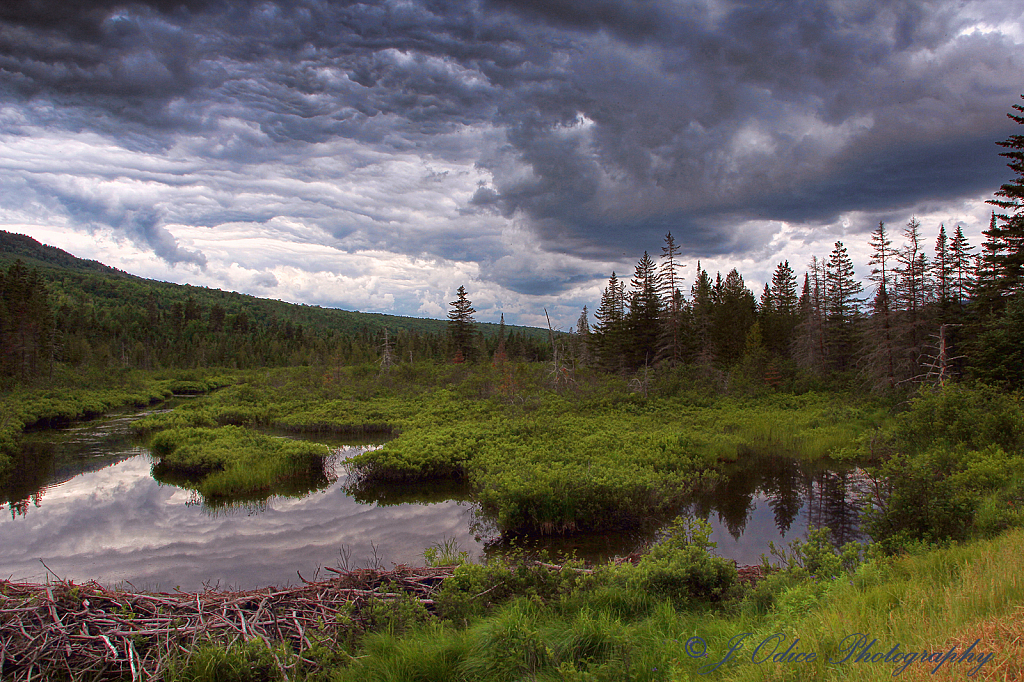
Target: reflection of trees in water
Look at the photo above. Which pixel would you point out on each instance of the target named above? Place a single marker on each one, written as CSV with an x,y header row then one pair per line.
x,y
51,457
20,507
833,501
784,485
830,496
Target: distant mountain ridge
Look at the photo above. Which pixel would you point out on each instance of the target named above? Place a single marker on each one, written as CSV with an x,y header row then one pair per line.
x,y
74,277
35,254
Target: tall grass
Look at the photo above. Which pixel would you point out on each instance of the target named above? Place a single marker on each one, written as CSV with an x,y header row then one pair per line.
x,y
931,601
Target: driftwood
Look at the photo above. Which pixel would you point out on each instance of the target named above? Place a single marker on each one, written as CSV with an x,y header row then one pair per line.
x,y
89,632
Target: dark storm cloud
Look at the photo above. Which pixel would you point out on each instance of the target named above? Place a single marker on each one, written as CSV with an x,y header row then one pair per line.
x,y
665,125
613,121
141,224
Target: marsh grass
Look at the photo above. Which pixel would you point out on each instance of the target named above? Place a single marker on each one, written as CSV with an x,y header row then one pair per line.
x,y
233,461
564,466
445,553
595,457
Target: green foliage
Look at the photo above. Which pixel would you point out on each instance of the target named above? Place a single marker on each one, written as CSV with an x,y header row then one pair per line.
x,y
231,460
681,566
818,557
972,417
954,470
475,589
999,353
393,615
251,661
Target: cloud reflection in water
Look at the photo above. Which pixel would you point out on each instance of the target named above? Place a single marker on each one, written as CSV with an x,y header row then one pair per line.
x,y
119,524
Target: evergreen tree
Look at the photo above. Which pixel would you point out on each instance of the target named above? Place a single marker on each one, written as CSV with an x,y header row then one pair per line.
x,y
500,354
1010,199
912,271
842,307
961,269
735,312
942,269
582,338
670,282
912,322
987,281
880,355
462,326
609,331
642,320
766,305
811,351
779,325
701,311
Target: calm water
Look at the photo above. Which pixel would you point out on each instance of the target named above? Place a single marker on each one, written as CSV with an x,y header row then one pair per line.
x,y
85,503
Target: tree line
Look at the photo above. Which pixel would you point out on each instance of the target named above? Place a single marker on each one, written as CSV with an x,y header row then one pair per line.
x,y
925,317
910,323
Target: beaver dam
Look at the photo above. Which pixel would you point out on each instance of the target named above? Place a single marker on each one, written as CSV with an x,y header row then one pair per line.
x,y
89,632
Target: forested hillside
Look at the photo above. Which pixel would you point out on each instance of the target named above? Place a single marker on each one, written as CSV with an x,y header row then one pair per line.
x,y
55,308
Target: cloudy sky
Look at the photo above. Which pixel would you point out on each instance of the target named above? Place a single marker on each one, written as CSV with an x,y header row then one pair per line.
x,y
375,156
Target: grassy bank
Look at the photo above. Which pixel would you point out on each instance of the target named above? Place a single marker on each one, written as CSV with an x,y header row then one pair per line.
x,y
612,628
71,396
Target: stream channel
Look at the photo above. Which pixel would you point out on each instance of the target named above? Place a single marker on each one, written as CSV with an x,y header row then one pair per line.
x,y
83,505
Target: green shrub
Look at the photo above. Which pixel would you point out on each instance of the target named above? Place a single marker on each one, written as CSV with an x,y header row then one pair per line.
x,y
681,566
475,589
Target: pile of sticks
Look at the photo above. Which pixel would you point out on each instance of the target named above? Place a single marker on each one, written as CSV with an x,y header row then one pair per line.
x,y
89,632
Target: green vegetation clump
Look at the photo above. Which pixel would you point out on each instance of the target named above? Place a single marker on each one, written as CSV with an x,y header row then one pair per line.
x,y
231,460
563,465
952,469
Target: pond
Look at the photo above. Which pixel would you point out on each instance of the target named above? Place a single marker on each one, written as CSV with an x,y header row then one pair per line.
x,y
84,505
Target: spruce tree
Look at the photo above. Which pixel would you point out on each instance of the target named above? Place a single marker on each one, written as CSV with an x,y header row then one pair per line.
x,y
811,351
1010,199
778,333
462,326
642,320
880,355
701,311
609,330
912,324
670,282
962,271
842,307
942,268
735,312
